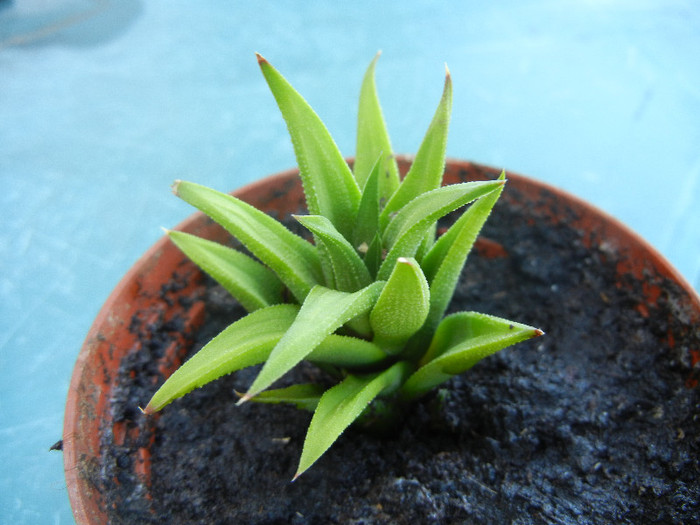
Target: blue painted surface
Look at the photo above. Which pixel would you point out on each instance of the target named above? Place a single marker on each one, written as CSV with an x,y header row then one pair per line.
x,y
104,103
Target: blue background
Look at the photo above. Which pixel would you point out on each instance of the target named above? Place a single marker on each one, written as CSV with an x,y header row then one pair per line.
x,y
104,103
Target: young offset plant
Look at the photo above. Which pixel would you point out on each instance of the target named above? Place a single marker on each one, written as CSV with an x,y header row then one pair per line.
x,y
367,298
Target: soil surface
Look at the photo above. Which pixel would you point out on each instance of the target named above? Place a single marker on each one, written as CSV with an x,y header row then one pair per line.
x,y
597,422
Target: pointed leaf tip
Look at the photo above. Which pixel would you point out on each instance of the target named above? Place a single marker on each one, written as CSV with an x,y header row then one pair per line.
x,y
329,186
538,333
175,185
261,59
243,399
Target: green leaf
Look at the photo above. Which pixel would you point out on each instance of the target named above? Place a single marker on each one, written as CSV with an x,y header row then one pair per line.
x,y
373,255
347,352
427,243
252,284
323,312
293,259
443,264
373,139
402,306
428,166
461,341
304,396
341,405
329,185
246,342
326,264
408,228
457,242
367,223
349,272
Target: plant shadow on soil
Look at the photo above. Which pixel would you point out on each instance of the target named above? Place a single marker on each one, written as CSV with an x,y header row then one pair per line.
x,y
592,423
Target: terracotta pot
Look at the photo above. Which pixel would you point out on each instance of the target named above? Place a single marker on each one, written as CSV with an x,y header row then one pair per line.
x,y
165,288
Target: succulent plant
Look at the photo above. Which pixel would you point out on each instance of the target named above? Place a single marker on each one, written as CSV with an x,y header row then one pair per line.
x,y
366,300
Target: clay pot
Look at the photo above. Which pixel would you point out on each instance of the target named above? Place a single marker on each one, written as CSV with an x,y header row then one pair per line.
x,y
165,288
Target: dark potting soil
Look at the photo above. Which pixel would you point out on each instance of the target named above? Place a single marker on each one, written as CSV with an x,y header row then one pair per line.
x,y
597,422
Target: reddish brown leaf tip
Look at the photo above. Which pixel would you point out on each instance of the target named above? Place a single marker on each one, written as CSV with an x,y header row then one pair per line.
x,y
537,333
261,59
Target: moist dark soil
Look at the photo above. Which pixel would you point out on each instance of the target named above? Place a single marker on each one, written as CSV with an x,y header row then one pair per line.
x,y
596,422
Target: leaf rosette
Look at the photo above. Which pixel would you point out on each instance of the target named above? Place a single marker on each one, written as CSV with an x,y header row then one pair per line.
x,y
367,295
